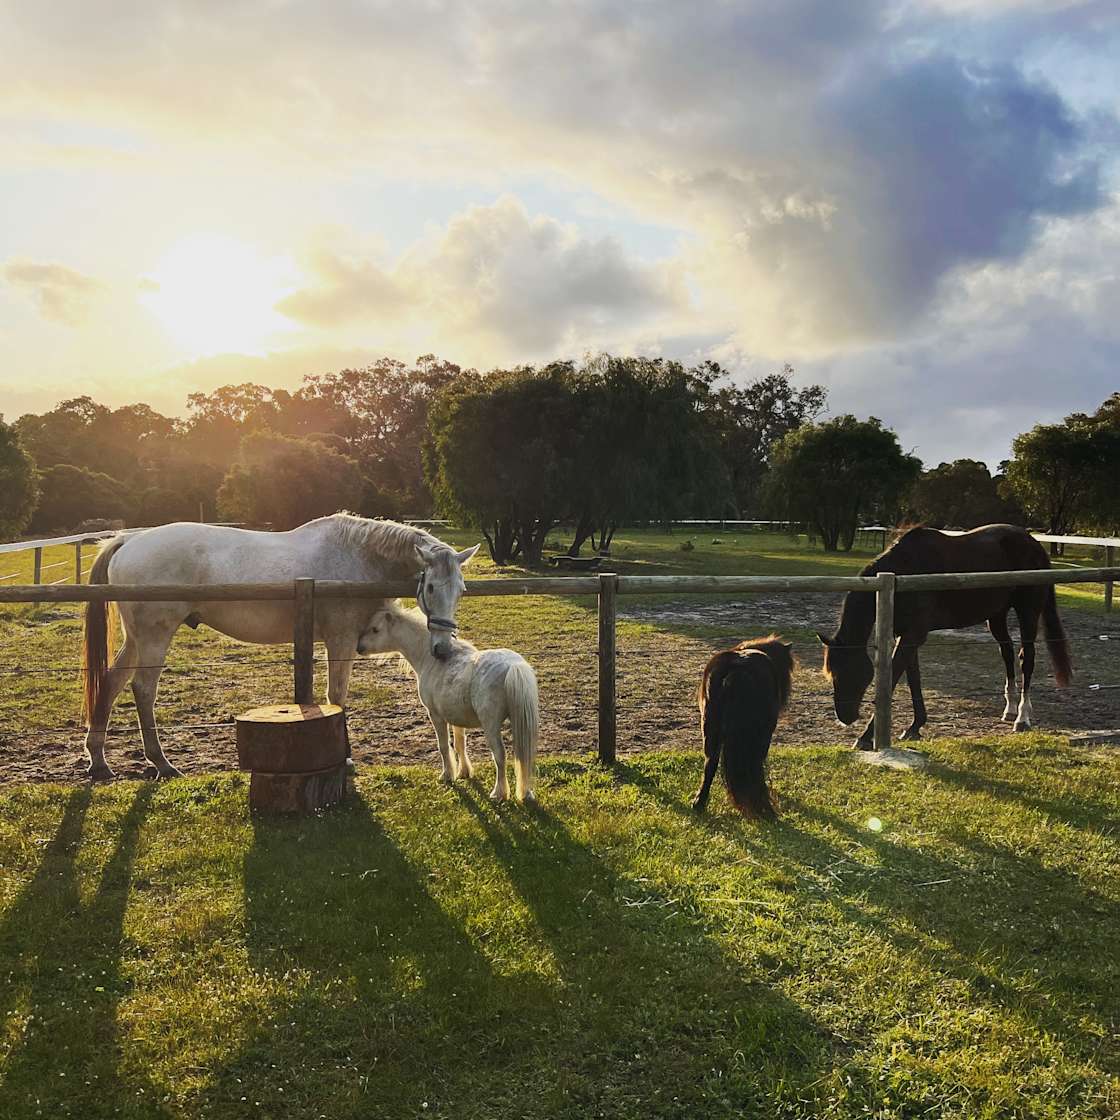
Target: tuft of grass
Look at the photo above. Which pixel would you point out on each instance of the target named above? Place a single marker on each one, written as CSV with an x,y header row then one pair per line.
x,y
420,952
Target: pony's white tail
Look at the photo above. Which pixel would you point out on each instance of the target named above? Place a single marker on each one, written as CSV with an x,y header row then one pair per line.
x,y
525,723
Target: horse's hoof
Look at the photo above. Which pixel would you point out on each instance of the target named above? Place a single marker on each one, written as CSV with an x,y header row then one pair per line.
x,y
1008,716
158,774
446,779
910,735
1021,725
697,805
497,797
99,774
530,798
863,745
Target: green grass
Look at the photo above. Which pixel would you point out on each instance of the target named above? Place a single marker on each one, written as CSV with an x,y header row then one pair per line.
x,y
419,952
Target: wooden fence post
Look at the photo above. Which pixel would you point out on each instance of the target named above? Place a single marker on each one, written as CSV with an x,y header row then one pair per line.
x,y
38,566
608,729
884,648
304,642
78,562
1109,562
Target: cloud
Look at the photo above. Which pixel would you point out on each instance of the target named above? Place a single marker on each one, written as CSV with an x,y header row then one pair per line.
x,y
833,164
495,279
62,294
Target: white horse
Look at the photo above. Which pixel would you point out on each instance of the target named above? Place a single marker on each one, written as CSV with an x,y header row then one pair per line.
x,y
339,547
467,688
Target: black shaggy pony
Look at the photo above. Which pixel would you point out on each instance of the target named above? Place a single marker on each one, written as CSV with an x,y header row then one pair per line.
x,y
742,692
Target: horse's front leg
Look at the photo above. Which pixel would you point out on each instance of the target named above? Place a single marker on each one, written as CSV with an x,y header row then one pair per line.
x,y
340,664
459,737
866,742
447,770
914,680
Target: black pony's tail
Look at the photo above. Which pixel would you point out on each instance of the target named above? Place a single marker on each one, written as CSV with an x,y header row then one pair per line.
x,y
1056,641
740,713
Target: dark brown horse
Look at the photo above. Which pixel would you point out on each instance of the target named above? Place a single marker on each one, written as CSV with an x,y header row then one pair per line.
x,y
992,548
742,692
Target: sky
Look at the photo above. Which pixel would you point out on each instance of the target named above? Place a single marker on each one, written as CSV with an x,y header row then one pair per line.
x,y
913,202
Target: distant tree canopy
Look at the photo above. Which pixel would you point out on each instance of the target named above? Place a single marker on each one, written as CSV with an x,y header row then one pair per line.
x,y
68,494
1064,475
19,489
750,419
834,474
286,482
518,452
961,495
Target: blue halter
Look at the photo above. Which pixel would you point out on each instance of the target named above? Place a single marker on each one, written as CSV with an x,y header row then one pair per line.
x,y
434,621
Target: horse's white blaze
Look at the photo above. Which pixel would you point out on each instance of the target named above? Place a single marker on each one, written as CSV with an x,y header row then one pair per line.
x,y
467,688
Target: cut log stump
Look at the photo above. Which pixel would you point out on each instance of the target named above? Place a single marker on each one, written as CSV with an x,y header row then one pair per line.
x,y
296,754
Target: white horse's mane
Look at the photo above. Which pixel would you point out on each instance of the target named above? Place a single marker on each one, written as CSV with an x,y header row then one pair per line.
x,y
390,539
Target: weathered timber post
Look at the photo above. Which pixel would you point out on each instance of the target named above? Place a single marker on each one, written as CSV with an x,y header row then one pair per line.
x,y
78,562
304,642
608,728
38,566
884,648
1109,562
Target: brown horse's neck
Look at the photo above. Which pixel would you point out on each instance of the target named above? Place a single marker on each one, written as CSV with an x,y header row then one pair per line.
x,y
857,618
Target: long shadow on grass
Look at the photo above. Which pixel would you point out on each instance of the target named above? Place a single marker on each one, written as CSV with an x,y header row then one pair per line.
x,y
998,928
673,1025
65,960
1082,811
389,997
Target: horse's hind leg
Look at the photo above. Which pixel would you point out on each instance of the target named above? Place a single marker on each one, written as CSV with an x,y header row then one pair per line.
x,y
144,686
997,627
500,792
115,680
459,737
711,765
1028,631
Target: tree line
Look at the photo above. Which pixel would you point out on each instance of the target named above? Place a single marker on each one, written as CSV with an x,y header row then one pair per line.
x,y
518,453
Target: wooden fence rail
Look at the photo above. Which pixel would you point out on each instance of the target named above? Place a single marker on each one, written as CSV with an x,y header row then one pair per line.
x,y
606,587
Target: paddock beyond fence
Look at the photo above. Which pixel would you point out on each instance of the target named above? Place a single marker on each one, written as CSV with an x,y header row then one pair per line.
x,y
606,587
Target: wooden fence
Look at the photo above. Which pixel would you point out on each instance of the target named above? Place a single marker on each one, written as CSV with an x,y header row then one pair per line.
x,y
607,587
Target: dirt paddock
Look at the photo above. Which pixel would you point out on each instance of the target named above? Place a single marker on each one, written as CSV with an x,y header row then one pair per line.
x,y
658,671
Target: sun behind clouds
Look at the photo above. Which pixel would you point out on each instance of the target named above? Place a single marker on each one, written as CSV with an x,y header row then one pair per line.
x,y
215,294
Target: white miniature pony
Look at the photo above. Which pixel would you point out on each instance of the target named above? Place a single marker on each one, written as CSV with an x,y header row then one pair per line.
x,y
467,688
339,547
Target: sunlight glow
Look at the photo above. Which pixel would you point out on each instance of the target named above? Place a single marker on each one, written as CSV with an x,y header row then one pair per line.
x,y
215,294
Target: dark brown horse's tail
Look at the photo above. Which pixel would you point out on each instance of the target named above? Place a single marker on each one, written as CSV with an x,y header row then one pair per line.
x,y
740,711
97,645
1056,641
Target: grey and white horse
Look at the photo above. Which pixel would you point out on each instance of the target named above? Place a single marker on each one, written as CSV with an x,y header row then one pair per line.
x,y
339,547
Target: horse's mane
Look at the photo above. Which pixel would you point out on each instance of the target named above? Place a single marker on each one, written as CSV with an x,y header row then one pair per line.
x,y
390,539
779,654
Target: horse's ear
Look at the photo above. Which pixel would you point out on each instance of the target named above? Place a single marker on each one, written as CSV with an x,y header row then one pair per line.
x,y
824,640
425,554
467,555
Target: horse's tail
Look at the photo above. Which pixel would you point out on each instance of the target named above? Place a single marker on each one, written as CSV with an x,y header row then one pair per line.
x,y
525,723
740,713
1056,641
98,642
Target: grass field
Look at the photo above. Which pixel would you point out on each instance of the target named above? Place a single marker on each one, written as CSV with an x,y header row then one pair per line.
x,y
420,952
900,945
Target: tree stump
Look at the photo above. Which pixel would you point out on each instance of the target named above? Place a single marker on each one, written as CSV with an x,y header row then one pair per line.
x,y
296,755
